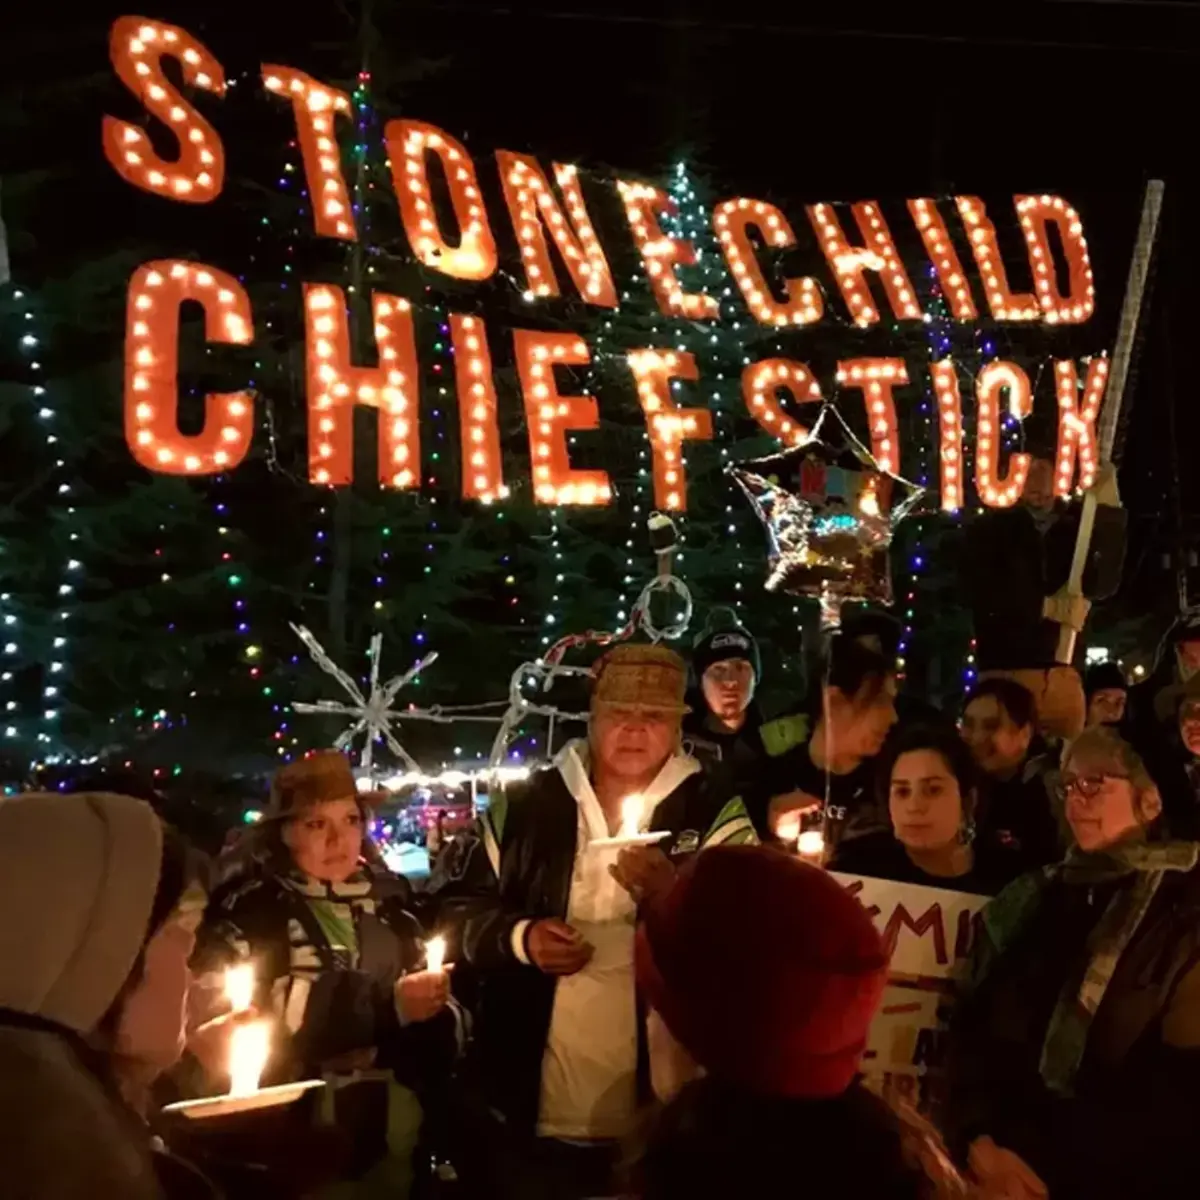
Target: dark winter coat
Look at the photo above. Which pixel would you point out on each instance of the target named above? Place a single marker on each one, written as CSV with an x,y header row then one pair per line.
x,y
1009,566
52,1099
1129,1129
881,856
330,1006
516,866
735,759
1020,816
713,1140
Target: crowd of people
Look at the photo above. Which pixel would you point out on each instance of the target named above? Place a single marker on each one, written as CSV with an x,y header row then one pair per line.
x,y
655,982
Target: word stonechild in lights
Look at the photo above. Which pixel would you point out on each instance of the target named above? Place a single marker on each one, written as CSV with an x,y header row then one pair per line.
x,y
549,215
137,48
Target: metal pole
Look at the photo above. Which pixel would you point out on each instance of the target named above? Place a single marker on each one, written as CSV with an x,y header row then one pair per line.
x,y
1135,290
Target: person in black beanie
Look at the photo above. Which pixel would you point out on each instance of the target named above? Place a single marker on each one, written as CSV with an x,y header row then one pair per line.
x,y
1106,692
723,727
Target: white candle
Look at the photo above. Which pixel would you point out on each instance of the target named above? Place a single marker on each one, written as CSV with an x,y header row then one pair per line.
x,y
435,954
249,1046
631,815
239,986
811,844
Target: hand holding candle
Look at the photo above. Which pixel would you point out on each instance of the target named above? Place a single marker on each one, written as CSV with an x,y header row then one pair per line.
x,y
421,995
787,828
645,872
811,845
632,813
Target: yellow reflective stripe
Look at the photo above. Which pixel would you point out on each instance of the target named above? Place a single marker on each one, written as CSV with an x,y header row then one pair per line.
x,y
732,826
491,843
734,833
784,733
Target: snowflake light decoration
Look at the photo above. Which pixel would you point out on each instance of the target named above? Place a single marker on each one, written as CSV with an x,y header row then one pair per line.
x,y
373,713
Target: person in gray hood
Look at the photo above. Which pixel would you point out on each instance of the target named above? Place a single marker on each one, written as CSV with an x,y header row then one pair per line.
x,y
99,903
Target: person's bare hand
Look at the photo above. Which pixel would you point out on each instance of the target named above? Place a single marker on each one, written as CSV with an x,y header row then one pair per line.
x,y
421,995
556,948
645,872
784,813
1001,1174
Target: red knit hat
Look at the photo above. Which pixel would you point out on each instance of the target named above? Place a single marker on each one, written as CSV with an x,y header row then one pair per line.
x,y
765,969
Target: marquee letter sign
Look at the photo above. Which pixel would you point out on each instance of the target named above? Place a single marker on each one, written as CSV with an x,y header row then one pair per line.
x,y
857,280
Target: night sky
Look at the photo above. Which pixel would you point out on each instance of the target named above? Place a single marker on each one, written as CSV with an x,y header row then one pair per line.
x,y
1086,100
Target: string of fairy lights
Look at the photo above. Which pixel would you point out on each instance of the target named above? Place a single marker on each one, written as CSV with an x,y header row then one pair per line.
x,y
691,222
21,643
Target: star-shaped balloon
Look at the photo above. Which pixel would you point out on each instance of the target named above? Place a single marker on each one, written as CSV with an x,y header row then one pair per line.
x,y
830,513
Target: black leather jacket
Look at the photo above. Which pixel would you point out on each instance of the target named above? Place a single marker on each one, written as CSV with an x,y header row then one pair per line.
x,y
516,865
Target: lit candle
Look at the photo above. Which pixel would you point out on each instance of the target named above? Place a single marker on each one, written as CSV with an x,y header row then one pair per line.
x,y
631,815
239,986
435,954
811,844
249,1047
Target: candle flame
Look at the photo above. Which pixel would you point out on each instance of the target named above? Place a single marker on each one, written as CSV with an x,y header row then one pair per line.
x,y
239,986
631,815
435,954
811,844
248,1050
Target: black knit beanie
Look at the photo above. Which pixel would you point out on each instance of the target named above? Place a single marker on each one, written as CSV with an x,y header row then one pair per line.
x,y
724,637
1102,676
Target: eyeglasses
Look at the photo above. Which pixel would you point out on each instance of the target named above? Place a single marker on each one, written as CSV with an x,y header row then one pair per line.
x,y
1088,786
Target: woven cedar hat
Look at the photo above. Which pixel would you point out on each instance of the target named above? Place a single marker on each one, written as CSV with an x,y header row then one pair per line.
x,y
640,676
317,778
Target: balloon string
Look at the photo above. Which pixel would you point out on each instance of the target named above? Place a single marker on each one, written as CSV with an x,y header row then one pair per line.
x,y
827,722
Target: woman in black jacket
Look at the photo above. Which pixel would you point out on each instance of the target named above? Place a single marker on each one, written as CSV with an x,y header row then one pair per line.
x,y
338,961
927,784
1073,1056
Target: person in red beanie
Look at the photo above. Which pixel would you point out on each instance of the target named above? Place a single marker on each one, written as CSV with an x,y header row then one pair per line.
x,y
764,976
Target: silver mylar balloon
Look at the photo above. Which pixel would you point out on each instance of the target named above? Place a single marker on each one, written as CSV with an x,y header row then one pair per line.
x,y
830,513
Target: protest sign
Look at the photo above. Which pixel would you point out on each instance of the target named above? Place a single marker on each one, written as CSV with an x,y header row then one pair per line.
x,y
929,934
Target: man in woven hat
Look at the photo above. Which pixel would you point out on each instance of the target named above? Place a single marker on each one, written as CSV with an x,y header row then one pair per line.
x,y
546,914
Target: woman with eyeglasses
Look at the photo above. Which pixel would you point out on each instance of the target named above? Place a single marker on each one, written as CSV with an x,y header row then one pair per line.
x,y
1075,1055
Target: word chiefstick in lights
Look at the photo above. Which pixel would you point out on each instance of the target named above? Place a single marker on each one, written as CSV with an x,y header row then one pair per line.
x,y
761,383
157,291
373,713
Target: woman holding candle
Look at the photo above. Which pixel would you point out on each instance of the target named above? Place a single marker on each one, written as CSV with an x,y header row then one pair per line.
x,y
927,781
99,903
1073,1058
338,963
